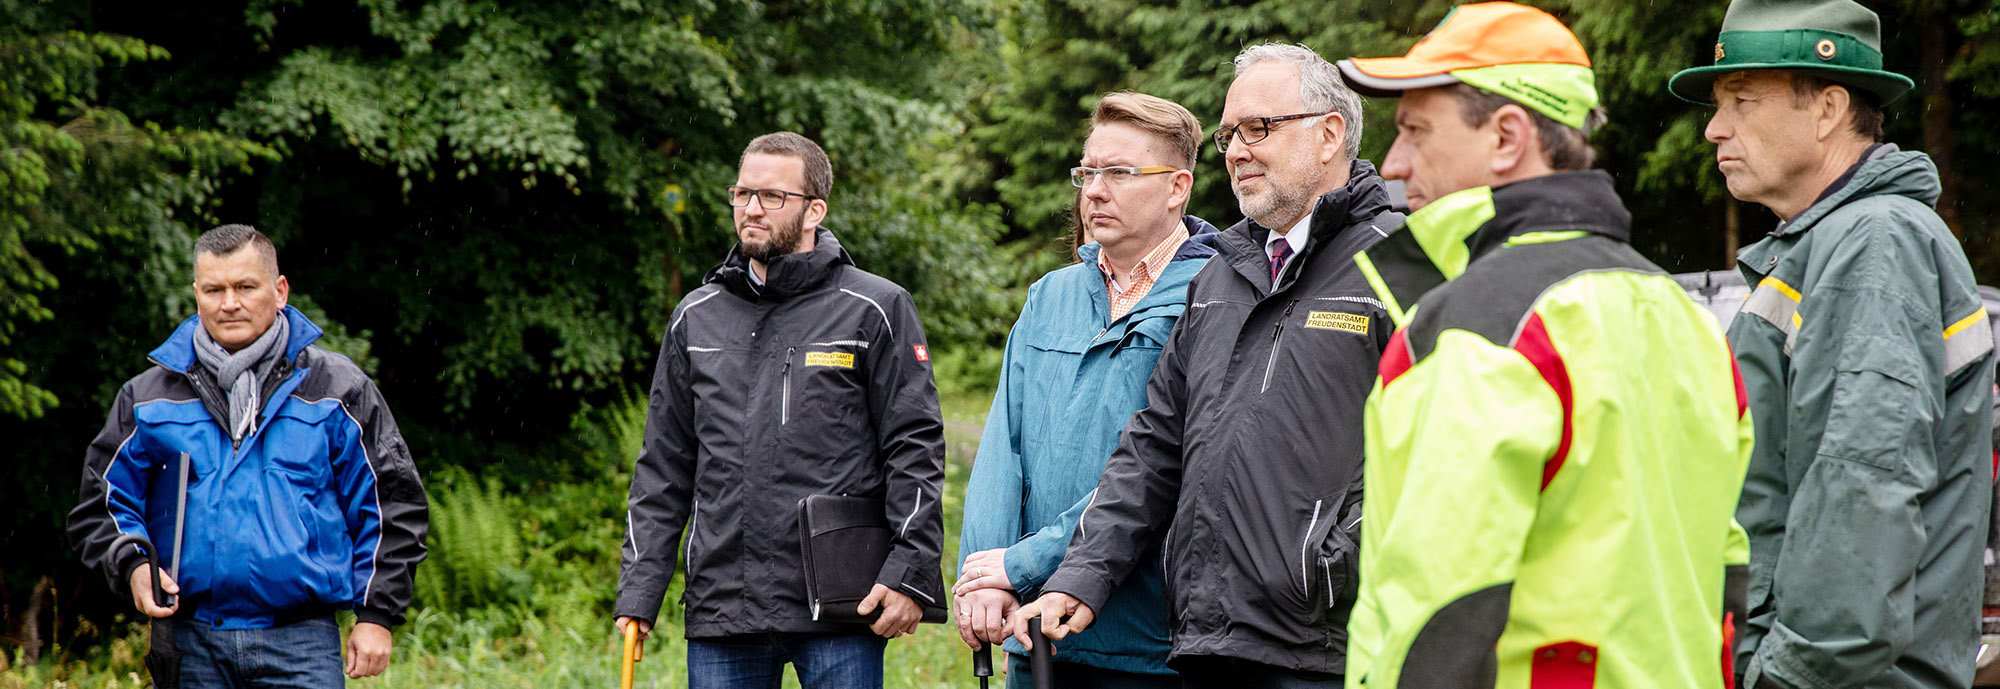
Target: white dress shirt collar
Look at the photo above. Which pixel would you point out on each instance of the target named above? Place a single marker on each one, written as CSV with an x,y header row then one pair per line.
x,y
1296,236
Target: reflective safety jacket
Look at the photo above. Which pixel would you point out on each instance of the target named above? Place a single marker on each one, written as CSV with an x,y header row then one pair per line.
x,y
1869,365
1554,450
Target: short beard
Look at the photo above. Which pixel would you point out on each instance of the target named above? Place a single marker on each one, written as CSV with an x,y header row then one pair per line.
x,y
1285,201
784,239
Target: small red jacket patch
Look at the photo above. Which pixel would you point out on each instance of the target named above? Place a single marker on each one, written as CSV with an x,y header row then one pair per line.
x,y
923,353
1565,665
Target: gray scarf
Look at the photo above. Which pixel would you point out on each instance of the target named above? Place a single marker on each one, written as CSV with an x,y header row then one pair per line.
x,y
240,373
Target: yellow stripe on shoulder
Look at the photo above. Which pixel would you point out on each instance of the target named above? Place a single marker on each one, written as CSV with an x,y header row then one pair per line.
x,y
1977,317
1782,288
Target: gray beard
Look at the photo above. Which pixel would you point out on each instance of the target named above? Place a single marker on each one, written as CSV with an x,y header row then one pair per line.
x,y
1284,201
784,240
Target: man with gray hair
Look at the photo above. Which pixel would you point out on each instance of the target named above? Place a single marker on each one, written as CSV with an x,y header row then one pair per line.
x,y
1250,442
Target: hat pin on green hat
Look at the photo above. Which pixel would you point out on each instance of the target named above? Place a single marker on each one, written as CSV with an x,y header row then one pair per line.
x,y
1838,40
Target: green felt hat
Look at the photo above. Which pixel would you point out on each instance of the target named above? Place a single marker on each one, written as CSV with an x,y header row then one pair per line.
x,y
1838,40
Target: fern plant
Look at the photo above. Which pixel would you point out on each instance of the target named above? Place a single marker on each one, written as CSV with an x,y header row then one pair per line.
x,y
476,558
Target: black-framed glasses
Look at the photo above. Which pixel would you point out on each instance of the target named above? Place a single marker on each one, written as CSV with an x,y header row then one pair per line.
x,y
1080,177
1254,129
770,199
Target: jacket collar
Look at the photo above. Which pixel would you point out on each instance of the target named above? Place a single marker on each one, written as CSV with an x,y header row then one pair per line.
x,y
1565,201
1883,169
1170,286
1200,242
1364,198
1444,238
785,276
177,352
1202,239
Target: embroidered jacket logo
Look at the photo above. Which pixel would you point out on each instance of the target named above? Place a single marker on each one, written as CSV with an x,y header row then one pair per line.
x,y
923,353
834,359
1335,320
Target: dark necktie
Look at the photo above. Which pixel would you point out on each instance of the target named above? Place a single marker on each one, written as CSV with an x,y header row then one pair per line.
x,y
1279,252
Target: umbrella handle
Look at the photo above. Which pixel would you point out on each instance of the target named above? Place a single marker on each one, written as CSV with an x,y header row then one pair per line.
x,y
632,653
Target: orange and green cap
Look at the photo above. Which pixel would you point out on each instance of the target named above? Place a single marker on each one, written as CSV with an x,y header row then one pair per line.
x,y
1506,48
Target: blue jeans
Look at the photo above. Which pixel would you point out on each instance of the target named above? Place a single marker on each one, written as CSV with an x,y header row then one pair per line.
x,y
757,661
301,655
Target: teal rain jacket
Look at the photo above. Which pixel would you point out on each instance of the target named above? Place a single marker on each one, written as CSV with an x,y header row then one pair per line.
x,y
1869,367
1070,380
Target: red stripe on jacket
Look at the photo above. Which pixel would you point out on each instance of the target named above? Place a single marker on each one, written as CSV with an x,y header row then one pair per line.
x,y
1395,360
1534,344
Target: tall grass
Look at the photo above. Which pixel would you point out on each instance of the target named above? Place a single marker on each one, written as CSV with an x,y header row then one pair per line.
x,y
519,585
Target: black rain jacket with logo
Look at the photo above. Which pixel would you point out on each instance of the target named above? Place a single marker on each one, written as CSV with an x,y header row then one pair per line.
x,y
1250,447
817,381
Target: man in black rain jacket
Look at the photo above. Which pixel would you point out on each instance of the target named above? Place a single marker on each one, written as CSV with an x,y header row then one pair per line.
x,y
788,373
1249,448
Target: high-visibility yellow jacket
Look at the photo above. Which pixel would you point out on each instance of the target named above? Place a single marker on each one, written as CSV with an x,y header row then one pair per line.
x,y
1554,452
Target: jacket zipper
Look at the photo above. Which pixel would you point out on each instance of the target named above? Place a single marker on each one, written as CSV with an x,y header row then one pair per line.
x,y
201,391
785,402
1277,336
1326,573
1305,576
687,555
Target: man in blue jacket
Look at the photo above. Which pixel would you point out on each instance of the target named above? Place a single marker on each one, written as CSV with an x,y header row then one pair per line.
x,y
301,495
1075,370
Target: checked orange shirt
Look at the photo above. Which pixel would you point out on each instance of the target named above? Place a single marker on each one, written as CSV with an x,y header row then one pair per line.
x,y
1141,276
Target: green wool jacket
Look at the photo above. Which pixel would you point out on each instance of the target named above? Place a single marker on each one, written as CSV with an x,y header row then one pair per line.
x,y
1869,367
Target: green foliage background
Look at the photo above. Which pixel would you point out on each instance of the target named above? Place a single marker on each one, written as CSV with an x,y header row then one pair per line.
x,y
471,195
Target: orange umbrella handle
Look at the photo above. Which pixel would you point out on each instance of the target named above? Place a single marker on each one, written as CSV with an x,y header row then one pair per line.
x,y
632,653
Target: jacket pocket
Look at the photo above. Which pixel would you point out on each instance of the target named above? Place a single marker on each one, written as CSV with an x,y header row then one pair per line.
x,y
1362,317
785,391
1309,566
295,444
1212,324
717,376
1339,558
1873,399
824,385
1146,336
1057,342
1323,566
1318,330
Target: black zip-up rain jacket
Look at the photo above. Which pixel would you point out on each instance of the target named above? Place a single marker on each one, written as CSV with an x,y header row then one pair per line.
x,y
1250,447
817,381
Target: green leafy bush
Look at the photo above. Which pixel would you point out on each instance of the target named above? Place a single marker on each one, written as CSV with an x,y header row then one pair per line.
x,y
475,547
